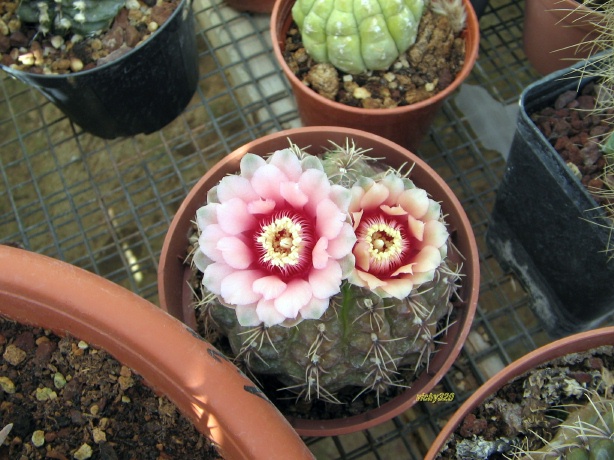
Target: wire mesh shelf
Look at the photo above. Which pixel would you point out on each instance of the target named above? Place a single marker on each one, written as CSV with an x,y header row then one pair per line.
x,y
105,205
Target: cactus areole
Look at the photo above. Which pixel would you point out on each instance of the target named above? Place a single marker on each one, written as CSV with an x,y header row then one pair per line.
x,y
357,35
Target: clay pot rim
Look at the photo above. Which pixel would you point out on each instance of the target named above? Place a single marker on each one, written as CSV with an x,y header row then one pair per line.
x,y
574,343
405,400
210,391
282,9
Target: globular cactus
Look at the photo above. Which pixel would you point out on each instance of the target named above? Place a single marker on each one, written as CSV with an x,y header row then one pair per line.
x,y
61,17
357,35
586,434
376,326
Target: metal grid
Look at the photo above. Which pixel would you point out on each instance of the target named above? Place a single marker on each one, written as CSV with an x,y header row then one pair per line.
x,y
105,205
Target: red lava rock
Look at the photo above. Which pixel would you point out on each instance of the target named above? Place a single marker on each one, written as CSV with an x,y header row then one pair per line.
x,y
472,426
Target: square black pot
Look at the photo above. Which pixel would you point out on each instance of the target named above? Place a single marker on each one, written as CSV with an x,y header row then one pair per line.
x,y
544,223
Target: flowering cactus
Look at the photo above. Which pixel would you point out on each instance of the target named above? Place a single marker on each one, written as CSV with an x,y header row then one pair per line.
x,y
362,274
356,36
82,17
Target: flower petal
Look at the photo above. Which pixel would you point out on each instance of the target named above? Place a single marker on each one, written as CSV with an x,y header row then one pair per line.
x,y
235,187
250,163
287,161
415,201
206,215
296,296
395,187
319,255
291,192
399,288
260,206
236,288
344,242
326,283
236,253
207,241
374,196
416,227
214,274
270,287
361,252
329,219
247,315
427,259
315,308
435,233
266,182
233,218
268,314
315,184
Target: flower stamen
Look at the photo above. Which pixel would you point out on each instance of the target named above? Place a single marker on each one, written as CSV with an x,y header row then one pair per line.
x,y
281,242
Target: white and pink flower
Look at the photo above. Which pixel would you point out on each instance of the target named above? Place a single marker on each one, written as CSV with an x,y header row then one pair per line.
x,y
401,239
275,241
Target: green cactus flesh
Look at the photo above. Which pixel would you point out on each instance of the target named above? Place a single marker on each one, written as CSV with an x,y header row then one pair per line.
x,y
357,35
586,434
82,17
361,341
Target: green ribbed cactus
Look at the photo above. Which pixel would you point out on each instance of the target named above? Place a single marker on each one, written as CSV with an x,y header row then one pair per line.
x,y
586,434
365,338
357,35
61,17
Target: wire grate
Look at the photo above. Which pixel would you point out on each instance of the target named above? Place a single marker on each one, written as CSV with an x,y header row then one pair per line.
x,y
105,205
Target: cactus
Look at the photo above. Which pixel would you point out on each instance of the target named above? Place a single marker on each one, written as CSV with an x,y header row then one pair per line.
x,y
586,434
366,337
61,17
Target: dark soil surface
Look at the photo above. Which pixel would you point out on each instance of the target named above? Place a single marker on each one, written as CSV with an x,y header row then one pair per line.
x,y
67,400
528,410
23,48
428,67
576,133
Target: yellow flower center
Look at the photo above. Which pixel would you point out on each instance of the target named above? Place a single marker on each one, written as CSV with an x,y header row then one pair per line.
x,y
281,242
385,242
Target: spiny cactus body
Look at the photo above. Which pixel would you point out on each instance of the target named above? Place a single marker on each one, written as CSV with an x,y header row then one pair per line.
x,y
364,338
586,434
82,17
357,35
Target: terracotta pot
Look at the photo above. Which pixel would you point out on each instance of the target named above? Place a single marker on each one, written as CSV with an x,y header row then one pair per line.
x,y
554,31
406,125
252,6
572,344
176,297
210,391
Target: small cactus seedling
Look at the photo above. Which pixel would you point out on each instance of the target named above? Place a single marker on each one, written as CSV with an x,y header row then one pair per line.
x,y
339,273
360,35
61,17
586,434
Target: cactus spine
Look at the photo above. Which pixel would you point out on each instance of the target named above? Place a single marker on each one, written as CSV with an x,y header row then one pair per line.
x,y
61,17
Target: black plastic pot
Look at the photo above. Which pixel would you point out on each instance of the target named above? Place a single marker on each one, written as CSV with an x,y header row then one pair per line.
x,y
140,92
544,223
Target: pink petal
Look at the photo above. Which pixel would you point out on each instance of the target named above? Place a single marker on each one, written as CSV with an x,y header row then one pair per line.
x,y
233,218
235,187
296,296
316,186
393,210
247,315
416,227
207,241
326,282
287,161
342,245
399,288
236,288
250,163
206,215
371,281
395,187
268,314
315,308
319,256
236,253
213,276
434,211
260,206
266,182
435,233
270,287
329,219
427,259
415,201
404,270
361,252
291,192
374,197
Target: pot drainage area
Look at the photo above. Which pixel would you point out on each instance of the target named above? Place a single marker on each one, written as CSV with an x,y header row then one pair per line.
x,y
106,205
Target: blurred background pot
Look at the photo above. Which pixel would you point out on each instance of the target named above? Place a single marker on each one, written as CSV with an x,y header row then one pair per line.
x,y
252,6
176,296
210,391
140,92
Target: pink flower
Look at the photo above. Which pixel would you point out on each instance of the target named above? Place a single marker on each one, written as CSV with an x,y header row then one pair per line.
x,y
275,242
401,239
